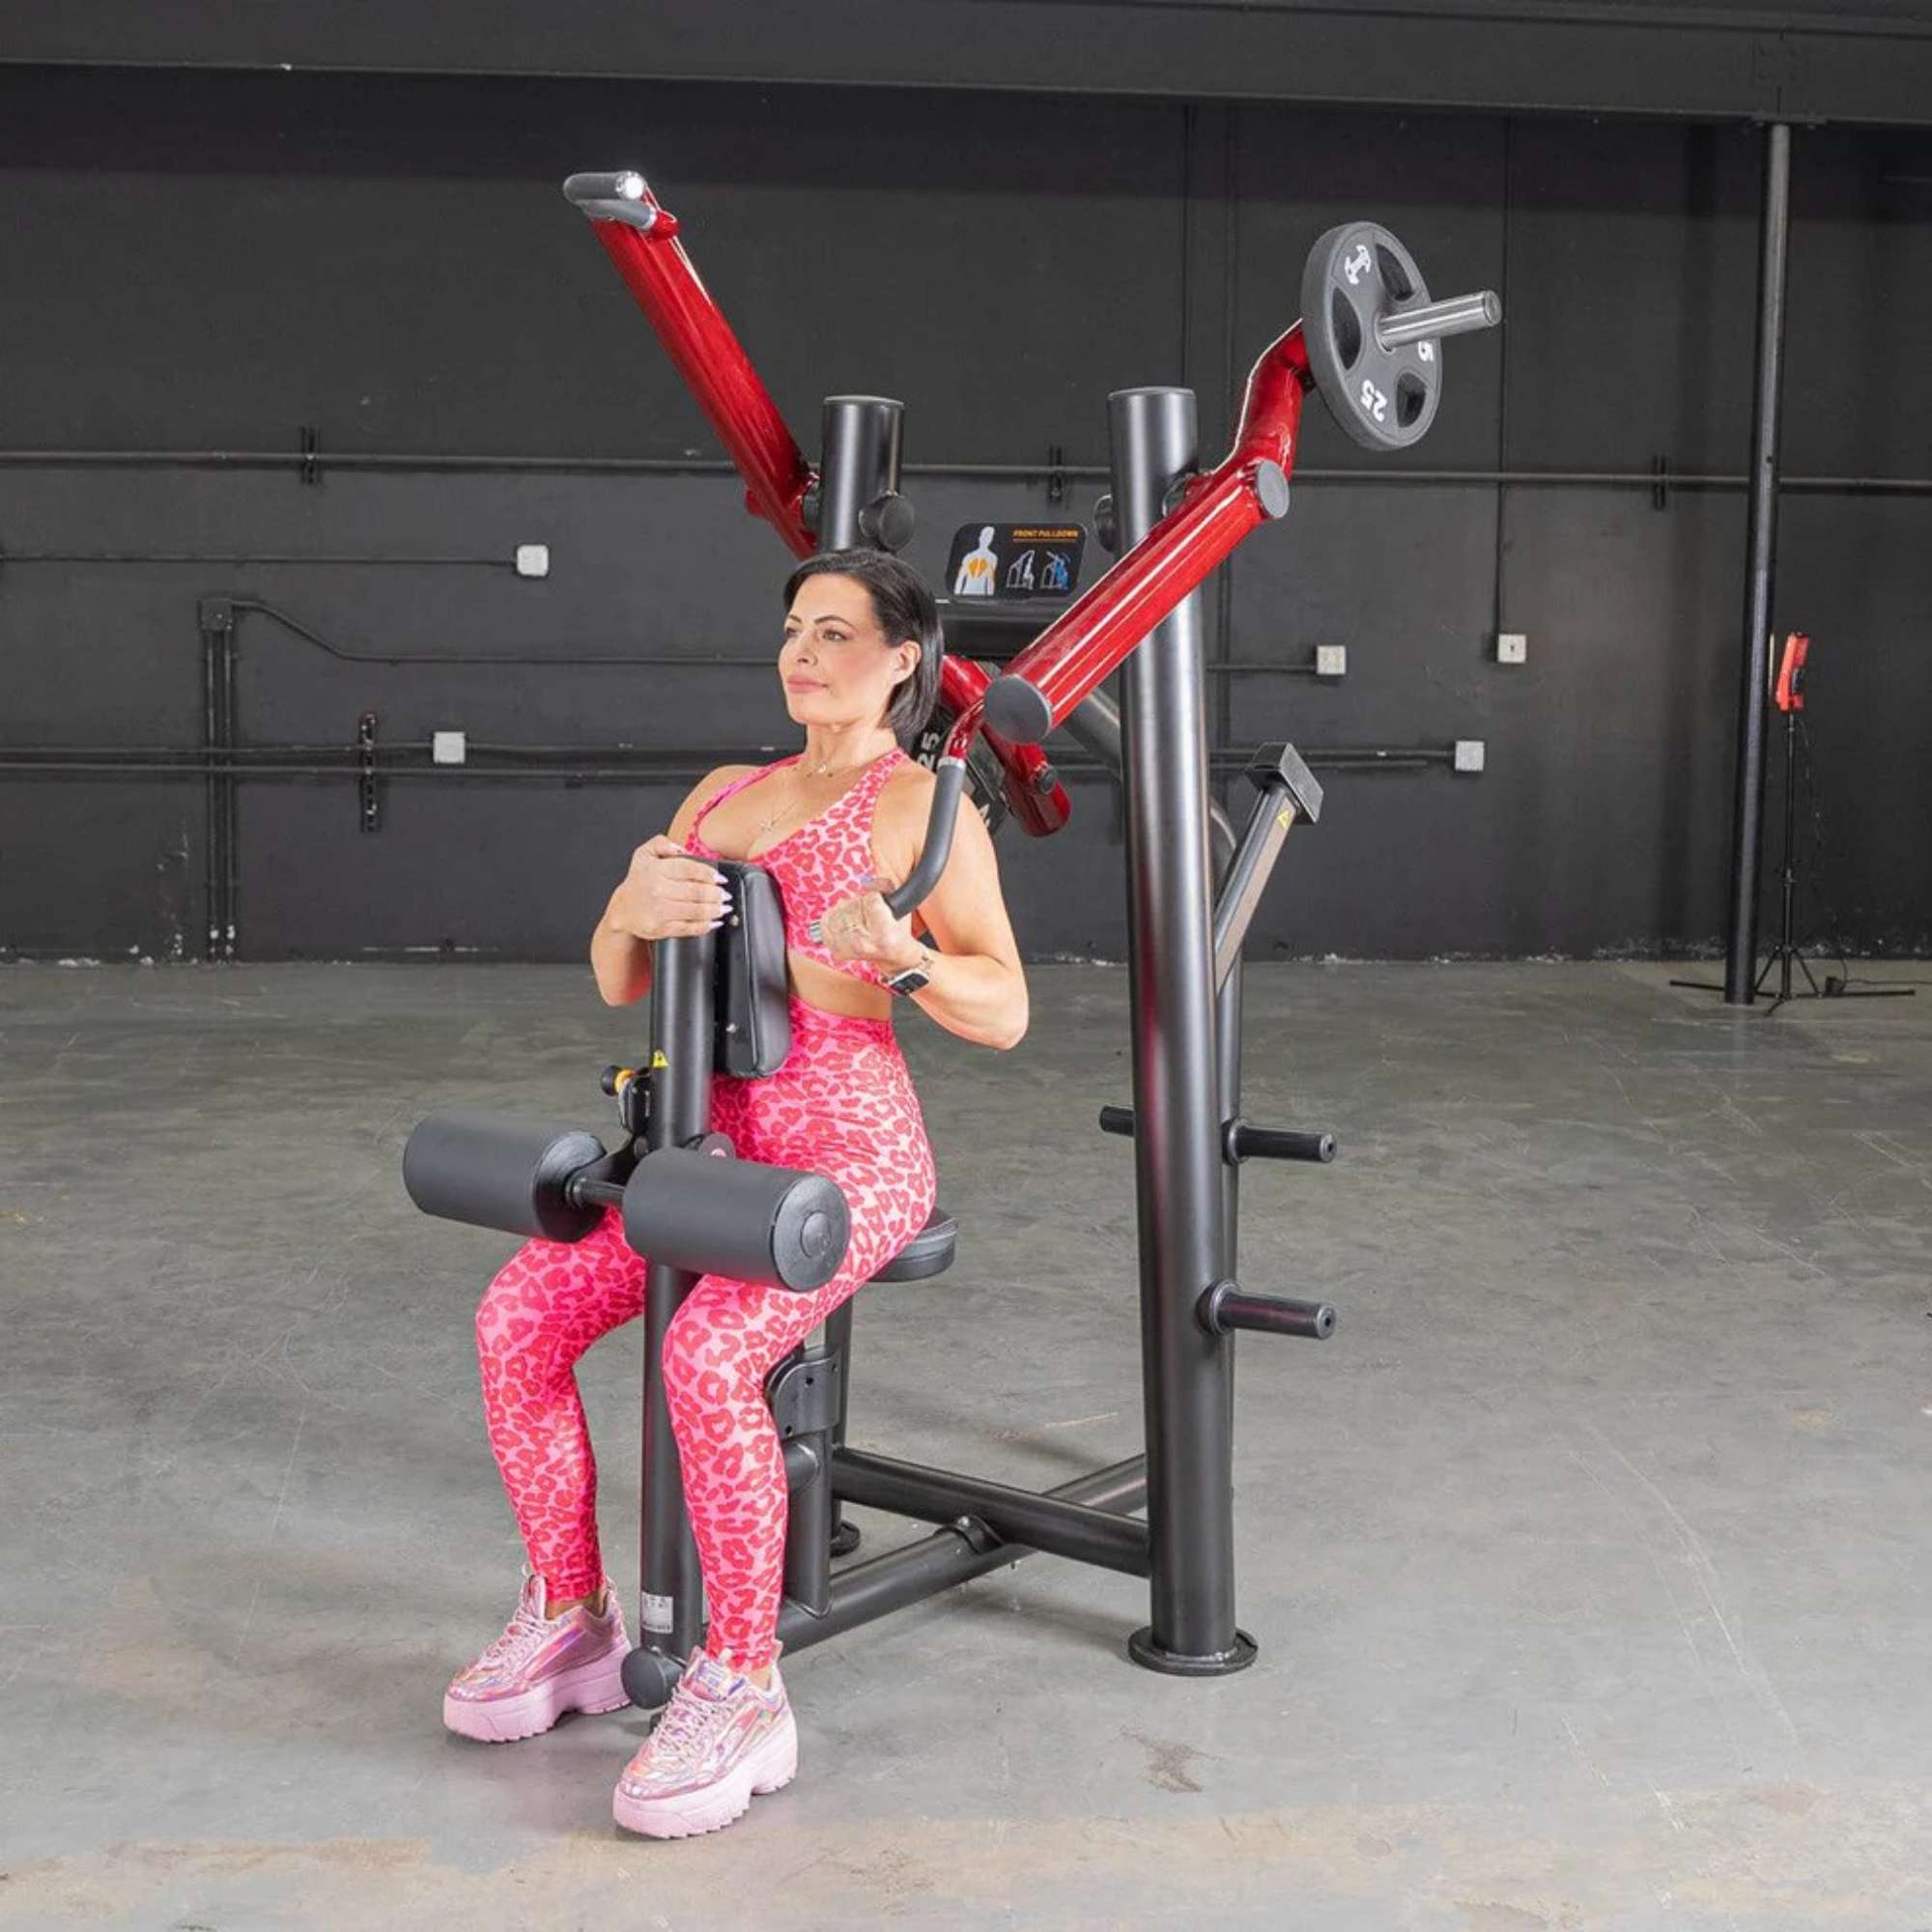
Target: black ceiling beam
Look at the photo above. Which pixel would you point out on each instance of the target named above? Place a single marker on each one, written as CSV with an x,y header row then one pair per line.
x,y
1869,61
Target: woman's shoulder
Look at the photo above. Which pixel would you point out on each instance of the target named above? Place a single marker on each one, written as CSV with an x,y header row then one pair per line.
x,y
908,782
706,792
899,818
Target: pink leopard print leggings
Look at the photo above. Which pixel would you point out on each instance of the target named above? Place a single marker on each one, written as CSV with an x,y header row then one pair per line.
x,y
841,1105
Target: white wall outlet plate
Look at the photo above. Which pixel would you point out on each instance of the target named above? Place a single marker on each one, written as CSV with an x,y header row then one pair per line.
x,y
1331,660
533,560
448,747
1469,755
1512,647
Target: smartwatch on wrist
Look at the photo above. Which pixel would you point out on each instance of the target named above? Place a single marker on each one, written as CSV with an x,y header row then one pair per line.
x,y
912,978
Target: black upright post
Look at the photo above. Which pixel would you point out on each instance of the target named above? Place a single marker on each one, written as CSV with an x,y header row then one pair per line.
x,y
859,505
670,1612
1747,820
1186,1380
859,502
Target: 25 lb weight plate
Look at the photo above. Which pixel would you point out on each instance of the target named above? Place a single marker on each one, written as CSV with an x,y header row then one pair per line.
x,y
1358,276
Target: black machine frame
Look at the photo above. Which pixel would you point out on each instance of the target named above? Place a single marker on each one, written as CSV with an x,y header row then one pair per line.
x,y
1370,338
1185,995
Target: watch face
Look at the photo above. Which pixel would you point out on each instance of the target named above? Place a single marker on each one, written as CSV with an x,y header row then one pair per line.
x,y
910,980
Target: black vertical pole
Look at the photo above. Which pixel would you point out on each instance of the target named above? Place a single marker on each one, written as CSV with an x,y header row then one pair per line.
x,y
1747,820
1185,1369
861,438
670,1612
859,504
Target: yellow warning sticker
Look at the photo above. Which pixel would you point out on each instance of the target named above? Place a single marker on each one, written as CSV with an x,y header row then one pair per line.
x,y
658,1059
1284,817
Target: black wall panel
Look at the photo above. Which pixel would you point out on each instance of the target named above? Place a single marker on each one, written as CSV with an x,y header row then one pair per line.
x,y
1632,291
218,259
205,262
1818,61
1858,574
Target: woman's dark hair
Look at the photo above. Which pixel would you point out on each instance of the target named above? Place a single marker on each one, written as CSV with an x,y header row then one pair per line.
x,y
904,608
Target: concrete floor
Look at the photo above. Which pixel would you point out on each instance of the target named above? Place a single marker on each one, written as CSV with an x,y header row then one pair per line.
x,y
1589,1561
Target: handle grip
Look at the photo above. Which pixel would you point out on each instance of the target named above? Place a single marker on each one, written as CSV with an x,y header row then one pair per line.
x,y
624,196
938,848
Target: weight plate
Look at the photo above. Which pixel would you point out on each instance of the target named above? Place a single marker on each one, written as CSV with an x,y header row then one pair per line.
x,y
1359,275
985,780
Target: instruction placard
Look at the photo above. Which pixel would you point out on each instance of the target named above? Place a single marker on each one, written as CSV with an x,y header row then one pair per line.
x,y
1016,561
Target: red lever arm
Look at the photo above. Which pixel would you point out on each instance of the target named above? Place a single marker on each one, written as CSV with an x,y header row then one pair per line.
x,y
1072,655
640,236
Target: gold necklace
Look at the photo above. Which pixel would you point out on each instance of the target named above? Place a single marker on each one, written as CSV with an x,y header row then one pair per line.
x,y
820,770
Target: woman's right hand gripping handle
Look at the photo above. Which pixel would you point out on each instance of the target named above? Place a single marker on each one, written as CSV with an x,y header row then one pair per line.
x,y
666,894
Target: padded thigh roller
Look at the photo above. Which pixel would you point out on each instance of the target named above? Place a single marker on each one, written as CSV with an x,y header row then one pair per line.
x,y
714,1215
502,1171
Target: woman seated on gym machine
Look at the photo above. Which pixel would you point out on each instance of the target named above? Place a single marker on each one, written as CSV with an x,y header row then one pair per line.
x,y
837,825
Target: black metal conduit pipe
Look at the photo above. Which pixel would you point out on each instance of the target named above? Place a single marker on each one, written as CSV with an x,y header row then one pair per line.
x,y
241,557
222,612
946,1557
654,661
192,764
1747,813
1416,478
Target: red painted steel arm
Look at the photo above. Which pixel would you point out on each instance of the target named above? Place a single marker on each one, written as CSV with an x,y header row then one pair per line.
x,y
1034,794
640,236
1090,637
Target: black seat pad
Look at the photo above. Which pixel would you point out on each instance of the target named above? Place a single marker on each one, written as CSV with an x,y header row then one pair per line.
x,y
929,1252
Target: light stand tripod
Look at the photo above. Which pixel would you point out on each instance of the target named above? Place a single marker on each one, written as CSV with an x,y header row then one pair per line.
x,y
1788,694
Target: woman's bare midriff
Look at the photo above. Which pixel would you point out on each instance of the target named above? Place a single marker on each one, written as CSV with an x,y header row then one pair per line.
x,y
834,992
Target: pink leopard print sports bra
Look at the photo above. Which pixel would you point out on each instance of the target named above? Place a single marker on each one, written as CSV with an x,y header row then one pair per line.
x,y
826,859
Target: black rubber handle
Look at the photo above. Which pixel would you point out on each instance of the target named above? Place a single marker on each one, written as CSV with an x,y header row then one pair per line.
x,y
624,196
938,847
1247,1142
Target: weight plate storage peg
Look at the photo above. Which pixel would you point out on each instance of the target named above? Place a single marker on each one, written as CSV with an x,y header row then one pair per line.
x,y
1359,276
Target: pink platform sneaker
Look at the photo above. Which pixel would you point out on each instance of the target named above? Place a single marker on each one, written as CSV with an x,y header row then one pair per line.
x,y
721,1742
539,1668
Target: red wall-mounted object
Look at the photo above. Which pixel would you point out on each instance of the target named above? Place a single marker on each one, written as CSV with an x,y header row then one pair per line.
x,y
1788,693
